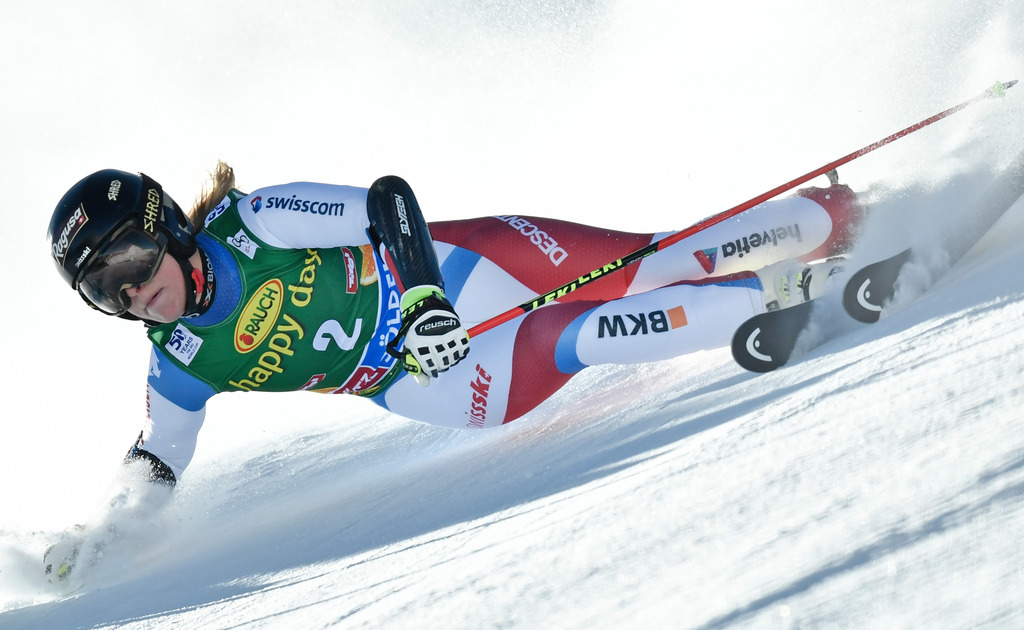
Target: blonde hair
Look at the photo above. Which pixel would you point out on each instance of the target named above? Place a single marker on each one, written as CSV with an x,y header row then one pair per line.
x,y
222,181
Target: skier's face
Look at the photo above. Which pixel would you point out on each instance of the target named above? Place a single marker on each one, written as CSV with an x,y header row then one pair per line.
x,y
162,299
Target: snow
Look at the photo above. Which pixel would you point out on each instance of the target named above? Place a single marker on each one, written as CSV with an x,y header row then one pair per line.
x,y
877,481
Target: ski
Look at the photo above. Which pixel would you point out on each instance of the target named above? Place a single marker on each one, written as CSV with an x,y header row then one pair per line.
x,y
872,287
869,290
765,342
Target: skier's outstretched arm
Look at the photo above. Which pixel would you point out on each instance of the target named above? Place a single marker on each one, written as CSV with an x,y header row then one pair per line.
x,y
152,467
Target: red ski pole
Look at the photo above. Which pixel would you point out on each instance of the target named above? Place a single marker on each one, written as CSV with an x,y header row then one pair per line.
x,y
996,90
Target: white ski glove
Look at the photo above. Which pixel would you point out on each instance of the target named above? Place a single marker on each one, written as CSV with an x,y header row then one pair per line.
x,y
434,338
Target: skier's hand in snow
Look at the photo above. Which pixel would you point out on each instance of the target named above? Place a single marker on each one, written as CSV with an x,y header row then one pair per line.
x,y
60,558
435,339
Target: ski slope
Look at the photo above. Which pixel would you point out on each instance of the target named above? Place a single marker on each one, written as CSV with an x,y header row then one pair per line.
x,y
875,482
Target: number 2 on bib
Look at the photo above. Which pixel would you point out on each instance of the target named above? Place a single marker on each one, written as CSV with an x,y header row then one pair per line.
x,y
331,329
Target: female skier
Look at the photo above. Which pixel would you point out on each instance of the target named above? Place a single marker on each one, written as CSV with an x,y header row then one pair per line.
x,y
339,289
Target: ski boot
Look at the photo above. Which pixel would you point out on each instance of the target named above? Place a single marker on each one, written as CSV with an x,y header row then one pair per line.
x,y
793,282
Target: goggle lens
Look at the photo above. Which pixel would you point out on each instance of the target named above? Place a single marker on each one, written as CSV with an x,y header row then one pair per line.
x,y
130,259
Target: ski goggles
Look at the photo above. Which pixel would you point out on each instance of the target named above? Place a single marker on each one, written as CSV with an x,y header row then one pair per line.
x,y
129,259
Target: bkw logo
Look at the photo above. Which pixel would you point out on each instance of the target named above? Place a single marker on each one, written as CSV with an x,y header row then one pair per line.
x,y
641,323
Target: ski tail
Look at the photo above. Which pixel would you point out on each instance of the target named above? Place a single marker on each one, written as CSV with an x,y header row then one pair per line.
x,y
764,342
872,287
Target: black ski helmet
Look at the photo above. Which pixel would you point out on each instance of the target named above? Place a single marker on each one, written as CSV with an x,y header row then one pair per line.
x,y
95,208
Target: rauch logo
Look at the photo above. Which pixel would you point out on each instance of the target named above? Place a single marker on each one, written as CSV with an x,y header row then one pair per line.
x,y
259,316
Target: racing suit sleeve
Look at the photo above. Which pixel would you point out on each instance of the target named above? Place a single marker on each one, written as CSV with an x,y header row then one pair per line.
x,y
307,215
176,405
310,215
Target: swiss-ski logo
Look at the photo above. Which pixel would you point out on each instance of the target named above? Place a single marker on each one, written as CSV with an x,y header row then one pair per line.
x,y
481,388
244,244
